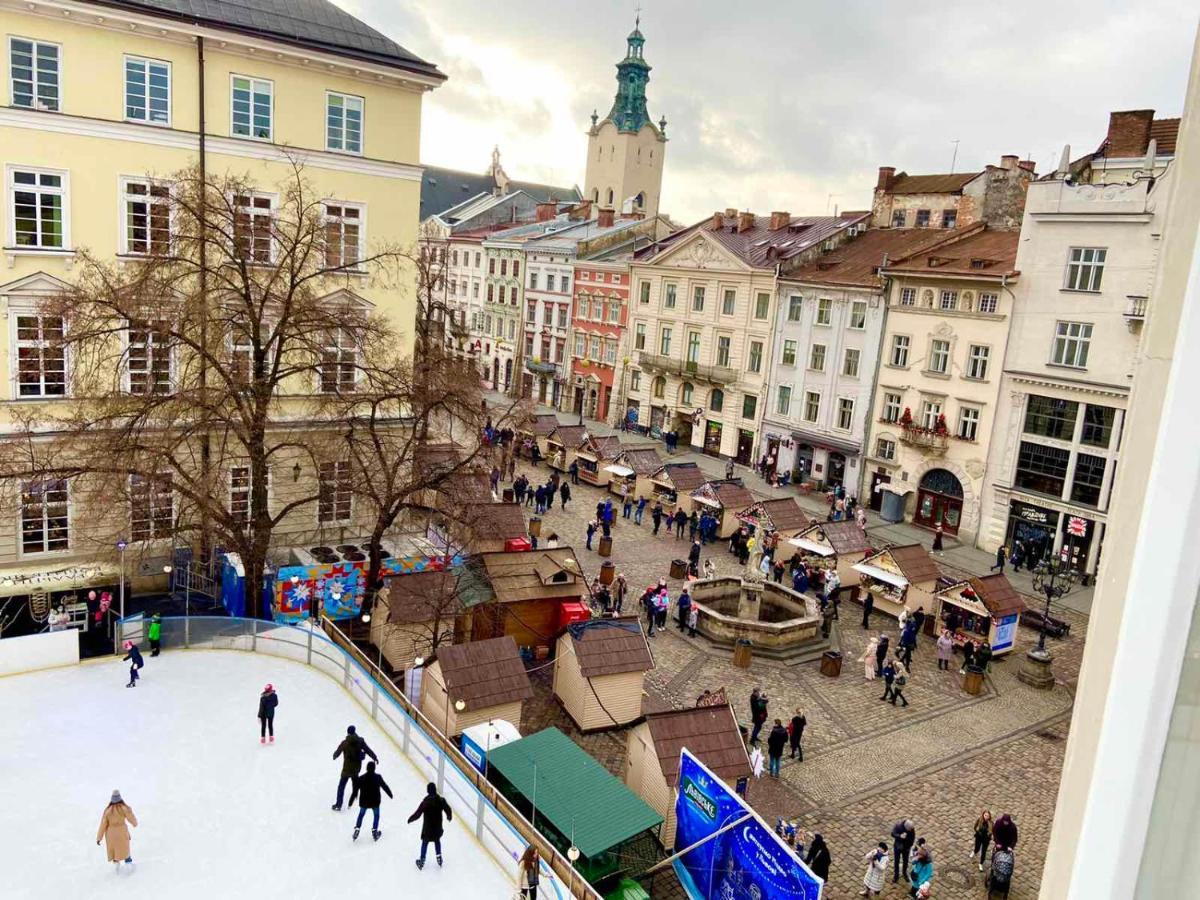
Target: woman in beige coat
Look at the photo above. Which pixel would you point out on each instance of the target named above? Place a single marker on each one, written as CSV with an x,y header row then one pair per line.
x,y
113,830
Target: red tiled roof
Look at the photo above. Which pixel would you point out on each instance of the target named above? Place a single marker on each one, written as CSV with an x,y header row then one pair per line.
x,y
857,261
982,252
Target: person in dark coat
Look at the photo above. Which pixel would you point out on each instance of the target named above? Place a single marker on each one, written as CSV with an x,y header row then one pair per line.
x,y
889,675
818,857
680,520
908,641
352,749
796,734
937,539
694,556
968,656
267,701
683,607
758,713
1004,832
573,471
776,741
868,605
657,514
904,835
134,657
430,812
370,783
881,652
591,531
564,493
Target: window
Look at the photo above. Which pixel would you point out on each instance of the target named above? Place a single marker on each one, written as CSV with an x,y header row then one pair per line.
x,y
147,210
659,387
922,218
850,362
562,315
252,107
41,357
698,299
762,306
344,236
784,400
898,218
635,380
147,90
643,290
949,300
968,423
1097,425
517,272
749,406
614,311
38,209
533,278
334,494
789,353
729,302
908,297
899,357
500,292
1071,340
845,419
685,394
949,218
639,337
716,400
858,314
339,361
151,507
1051,417
693,347
988,302
595,348
812,406
1085,268
824,311
891,407
34,74
939,357
1089,477
45,516
885,448
252,227
1042,469
241,499
669,296
795,305
723,351
492,265
930,411
977,361
756,354
149,358
816,358
664,345
504,271
610,352
579,346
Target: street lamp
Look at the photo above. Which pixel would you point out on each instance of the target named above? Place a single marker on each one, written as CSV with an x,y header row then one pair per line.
x,y
1053,579
121,545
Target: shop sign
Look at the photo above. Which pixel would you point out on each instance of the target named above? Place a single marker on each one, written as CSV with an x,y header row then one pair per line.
x,y
1034,514
1006,632
1077,526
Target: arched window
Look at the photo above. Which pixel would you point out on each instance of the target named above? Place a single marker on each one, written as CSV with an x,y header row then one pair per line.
x,y
610,197
685,394
640,200
716,400
595,195
659,388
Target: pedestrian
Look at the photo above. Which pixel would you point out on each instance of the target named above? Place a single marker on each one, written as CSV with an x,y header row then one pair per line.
x,y
115,832
919,618
800,580
154,632
983,655
729,470
539,498
620,589
796,734
776,741
591,530
922,871
573,471
680,520
818,857
968,657
908,642
832,583
134,657
657,515
610,513
512,467
662,602
694,556
684,608
876,861
904,835
860,517
528,873
1001,559
641,509
983,837
352,749
626,502
870,673
693,618
599,511
1018,555
494,479
564,493
267,701
369,798
758,709
868,605
430,812
937,539
889,677
777,570
1004,833
519,490
881,652
945,650
899,683
693,525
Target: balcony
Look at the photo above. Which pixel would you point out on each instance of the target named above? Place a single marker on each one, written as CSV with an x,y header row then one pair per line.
x,y
541,368
1135,311
926,439
696,371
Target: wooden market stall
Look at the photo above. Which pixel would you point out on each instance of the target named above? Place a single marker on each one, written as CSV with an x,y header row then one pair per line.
x,y
652,758
634,467
783,516
833,545
900,577
672,486
489,527
538,428
486,679
593,454
599,671
562,445
416,612
981,609
533,592
726,500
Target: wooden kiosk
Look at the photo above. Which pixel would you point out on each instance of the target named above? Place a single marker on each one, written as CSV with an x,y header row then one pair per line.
x,y
672,486
833,545
900,577
634,467
725,500
784,516
981,609
593,454
486,679
600,670
562,445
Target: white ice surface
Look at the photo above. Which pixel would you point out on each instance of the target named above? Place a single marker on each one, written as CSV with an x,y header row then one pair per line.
x,y
219,814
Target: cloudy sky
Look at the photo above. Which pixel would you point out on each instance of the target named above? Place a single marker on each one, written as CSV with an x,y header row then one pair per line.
x,y
778,104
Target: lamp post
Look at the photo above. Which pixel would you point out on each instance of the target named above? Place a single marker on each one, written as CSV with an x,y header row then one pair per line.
x,y
121,545
1053,579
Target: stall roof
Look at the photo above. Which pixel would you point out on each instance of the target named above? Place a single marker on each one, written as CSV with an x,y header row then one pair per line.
x,y
422,597
785,514
532,574
881,574
565,774
610,646
542,424
915,562
810,546
995,592
846,537
730,494
485,673
619,470
569,436
643,460
683,476
496,521
710,732
606,447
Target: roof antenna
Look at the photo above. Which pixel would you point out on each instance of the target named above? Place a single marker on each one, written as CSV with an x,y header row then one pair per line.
x,y
954,158
828,200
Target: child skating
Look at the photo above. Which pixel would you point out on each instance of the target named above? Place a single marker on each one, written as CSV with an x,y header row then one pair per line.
x,y
267,701
134,657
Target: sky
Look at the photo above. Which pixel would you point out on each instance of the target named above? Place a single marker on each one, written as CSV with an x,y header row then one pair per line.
x,y
776,105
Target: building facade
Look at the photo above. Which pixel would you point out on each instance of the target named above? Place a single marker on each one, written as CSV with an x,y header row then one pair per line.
x,y
994,195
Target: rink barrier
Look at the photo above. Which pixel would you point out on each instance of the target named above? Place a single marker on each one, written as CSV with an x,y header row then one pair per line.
x,y
498,826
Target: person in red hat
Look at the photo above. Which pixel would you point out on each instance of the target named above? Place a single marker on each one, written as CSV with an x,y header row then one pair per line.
x,y
267,701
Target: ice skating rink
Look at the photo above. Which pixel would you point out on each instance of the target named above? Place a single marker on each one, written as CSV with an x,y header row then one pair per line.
x,y
219,814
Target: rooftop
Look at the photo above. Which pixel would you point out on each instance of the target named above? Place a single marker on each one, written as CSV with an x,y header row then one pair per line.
x,y
643,460
533,574
915,562
444,189
857,261
610,646
422,597
684,476
542,424
974,251
997,595
570,436
845,537
931,184
710,732
730,494
785,513
484,673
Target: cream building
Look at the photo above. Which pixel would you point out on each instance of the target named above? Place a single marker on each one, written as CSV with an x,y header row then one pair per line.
x,y
948,317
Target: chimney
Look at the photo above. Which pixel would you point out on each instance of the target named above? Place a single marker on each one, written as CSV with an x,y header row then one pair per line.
x,y
887,176
580,211
1027,165
718,220
605,217
745,221
547,211
1128,132
1008,161
730,213
780,220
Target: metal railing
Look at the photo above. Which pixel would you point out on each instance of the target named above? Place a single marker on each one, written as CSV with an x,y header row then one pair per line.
x,y
926,438
496,823
1136,308
698,371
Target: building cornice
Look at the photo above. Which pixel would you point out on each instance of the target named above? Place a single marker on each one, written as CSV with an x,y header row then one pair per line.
x,y
1098,388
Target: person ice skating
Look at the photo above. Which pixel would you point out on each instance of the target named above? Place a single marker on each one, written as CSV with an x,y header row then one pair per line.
x,y
796,733
904,835
983,837
776,741
115,832
528,873
267,701
370,784
134,657
818,857
430,812
945,650
352,749
154,633
876,874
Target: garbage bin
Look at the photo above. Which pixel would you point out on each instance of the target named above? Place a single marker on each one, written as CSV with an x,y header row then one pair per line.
x,y
535,526
510,495
973,681
608,570
892,507
679,568
605,545
743,653
831,664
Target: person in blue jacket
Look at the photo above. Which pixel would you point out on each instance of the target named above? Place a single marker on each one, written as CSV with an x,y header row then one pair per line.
x,y
134,657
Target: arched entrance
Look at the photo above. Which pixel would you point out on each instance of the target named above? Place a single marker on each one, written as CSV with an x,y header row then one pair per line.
x,y
939,500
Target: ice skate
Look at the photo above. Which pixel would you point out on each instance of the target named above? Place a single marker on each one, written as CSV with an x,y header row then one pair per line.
x,y
272,740
439,862
420,863
377,834
337,807
354,837
262,740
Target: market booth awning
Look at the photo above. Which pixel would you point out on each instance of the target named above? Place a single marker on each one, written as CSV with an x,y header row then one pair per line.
x,y
882,574
58,577
619,470
811,546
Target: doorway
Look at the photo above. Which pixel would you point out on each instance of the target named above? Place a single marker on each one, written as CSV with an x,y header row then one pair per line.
x,y
836,474
875,500
939,501
804,462
745,446
712,438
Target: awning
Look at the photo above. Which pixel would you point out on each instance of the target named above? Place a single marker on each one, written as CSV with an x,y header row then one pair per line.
x,y
881,574
811,546
826,442
616,469
713,503
955,598
58,578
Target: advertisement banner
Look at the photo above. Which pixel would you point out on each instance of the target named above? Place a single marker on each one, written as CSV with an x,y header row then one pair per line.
x,y
1006,633
747,862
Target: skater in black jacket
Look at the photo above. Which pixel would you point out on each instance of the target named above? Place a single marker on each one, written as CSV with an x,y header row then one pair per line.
x,y
267,701
352,749
430,813
370,783
134,657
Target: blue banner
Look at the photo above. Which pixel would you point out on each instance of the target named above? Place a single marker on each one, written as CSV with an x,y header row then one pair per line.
x,y
747,862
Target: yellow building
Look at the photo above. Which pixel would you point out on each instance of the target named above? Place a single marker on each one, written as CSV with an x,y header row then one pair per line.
x,y
106,101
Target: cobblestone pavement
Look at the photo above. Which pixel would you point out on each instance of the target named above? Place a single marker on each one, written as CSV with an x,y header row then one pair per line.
x,y
867,763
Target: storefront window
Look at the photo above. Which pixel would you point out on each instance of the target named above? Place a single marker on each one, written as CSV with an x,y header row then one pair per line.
x,y
1089,475
1098,425
1042,469
1052,418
